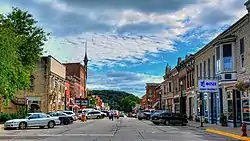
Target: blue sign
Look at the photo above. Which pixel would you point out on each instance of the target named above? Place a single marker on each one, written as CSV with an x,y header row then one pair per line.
x,y
205,86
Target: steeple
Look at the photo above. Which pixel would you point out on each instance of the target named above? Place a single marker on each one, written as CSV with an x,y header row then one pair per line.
x,y
86,57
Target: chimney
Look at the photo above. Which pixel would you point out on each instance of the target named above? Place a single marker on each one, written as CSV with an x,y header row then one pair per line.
x,y
179,60
247,4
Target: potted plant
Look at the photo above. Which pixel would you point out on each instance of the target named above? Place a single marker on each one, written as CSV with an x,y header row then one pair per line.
x,y
223,120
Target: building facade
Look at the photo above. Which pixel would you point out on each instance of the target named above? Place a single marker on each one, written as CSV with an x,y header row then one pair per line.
x,y
152,96
47,91
226,59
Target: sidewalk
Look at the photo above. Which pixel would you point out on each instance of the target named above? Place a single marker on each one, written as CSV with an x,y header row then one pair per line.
x,y
1,127
218,129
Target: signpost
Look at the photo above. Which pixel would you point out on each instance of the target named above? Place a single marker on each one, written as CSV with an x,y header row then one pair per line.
x,y
26,104
206,86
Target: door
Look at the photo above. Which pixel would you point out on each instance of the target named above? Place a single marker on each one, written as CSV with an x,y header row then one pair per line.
x,y
43,119
33,120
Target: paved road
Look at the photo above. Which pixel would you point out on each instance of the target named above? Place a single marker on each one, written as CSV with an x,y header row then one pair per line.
x,y
124,129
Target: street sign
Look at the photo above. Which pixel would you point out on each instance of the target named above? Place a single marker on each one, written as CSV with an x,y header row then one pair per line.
x,y
205,86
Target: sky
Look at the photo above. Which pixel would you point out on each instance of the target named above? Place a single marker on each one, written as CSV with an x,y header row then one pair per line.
x,y
129,42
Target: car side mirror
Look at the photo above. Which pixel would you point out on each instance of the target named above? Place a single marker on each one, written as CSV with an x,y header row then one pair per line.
x,y
29,118
48,116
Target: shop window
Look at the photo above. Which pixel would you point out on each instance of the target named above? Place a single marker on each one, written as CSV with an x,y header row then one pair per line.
x,y
230,105
245,106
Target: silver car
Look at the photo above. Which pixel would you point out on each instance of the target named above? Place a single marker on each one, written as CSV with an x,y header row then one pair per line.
x,y
94,114
32,120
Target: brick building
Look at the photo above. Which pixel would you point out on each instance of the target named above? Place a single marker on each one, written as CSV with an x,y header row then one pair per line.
x,y
47,92
151,94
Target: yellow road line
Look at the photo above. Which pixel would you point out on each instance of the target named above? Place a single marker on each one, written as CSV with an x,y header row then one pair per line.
x,y
228,134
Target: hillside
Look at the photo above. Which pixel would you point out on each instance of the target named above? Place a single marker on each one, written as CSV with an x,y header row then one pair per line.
x,y
113,98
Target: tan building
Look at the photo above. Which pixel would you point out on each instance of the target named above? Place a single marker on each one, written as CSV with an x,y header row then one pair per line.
x,y
229,52
47,92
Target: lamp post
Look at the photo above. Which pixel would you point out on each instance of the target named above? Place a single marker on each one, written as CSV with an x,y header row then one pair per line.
x,y
160,99
181,102
80,101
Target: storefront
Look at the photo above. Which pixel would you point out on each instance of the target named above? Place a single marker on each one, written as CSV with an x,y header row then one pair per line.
x,y
177,105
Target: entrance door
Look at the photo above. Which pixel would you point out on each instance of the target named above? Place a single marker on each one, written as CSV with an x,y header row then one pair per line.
x,y
190,107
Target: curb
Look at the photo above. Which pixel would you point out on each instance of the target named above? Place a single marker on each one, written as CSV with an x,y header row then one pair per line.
x,y
227,134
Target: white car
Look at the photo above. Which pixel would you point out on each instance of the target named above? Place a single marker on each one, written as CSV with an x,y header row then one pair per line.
x,y
71,113
32,120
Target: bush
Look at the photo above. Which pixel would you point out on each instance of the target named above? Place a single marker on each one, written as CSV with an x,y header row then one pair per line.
x,y
4,117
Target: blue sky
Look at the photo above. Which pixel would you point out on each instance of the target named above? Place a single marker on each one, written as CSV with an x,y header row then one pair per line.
x,y
129,41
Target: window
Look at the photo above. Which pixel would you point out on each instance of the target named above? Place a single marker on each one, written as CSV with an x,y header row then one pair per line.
x,y
197,73
218,59
205,73
208,68
242,52
200,70
34,116
213,66
227,57
169,87
55,84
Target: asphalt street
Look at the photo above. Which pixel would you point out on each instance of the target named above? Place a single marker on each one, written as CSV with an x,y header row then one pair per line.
x,y
123,129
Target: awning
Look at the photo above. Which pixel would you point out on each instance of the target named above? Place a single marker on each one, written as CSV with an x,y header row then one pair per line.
x,y
156,103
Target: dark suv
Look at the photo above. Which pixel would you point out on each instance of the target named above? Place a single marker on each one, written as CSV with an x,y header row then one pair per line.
x,y
169,118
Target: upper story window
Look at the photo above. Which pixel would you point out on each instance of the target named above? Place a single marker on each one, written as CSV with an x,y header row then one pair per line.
x,y
169,87
213,66
227,57
208,68
217,59
205,69
200,70
55,83
197,73
242,57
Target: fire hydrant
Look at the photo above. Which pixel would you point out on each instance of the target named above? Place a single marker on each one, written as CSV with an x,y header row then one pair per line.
x,y
244,129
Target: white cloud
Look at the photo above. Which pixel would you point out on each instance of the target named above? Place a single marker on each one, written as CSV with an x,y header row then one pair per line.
x,y
123,81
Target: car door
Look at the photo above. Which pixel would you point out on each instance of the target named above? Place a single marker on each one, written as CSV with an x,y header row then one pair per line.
x,y
91,115
32,120
43,119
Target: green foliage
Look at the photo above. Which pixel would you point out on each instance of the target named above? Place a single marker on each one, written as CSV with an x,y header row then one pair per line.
x,y
20,43
129,102
117,99
21,113
4,117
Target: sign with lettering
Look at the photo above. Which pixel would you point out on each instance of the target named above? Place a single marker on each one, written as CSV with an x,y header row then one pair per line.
x,y
205,86
82,102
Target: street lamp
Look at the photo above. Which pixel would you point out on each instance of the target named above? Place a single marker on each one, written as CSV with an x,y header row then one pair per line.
x,y
160,99
181,102
80,101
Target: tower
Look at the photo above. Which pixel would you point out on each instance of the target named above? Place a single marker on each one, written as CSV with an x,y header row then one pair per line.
x,y
86,61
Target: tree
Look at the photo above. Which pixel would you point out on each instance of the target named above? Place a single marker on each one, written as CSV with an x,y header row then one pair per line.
x,y
129,102
21,47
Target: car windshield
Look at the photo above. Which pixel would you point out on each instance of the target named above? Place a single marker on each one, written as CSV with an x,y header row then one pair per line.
x,y
28,115
68,113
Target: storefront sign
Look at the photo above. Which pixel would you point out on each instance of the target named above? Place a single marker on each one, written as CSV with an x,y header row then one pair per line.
x,y
81,102
208,86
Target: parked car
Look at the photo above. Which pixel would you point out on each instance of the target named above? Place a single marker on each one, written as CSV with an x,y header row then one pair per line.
x,y
72,114
32,120
169,118
146,114
64,118
94,115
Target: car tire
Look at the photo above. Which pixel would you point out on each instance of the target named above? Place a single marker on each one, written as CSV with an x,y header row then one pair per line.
x,y
148,118
183,124
51,124
166,122
98,117
139,118
22,125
